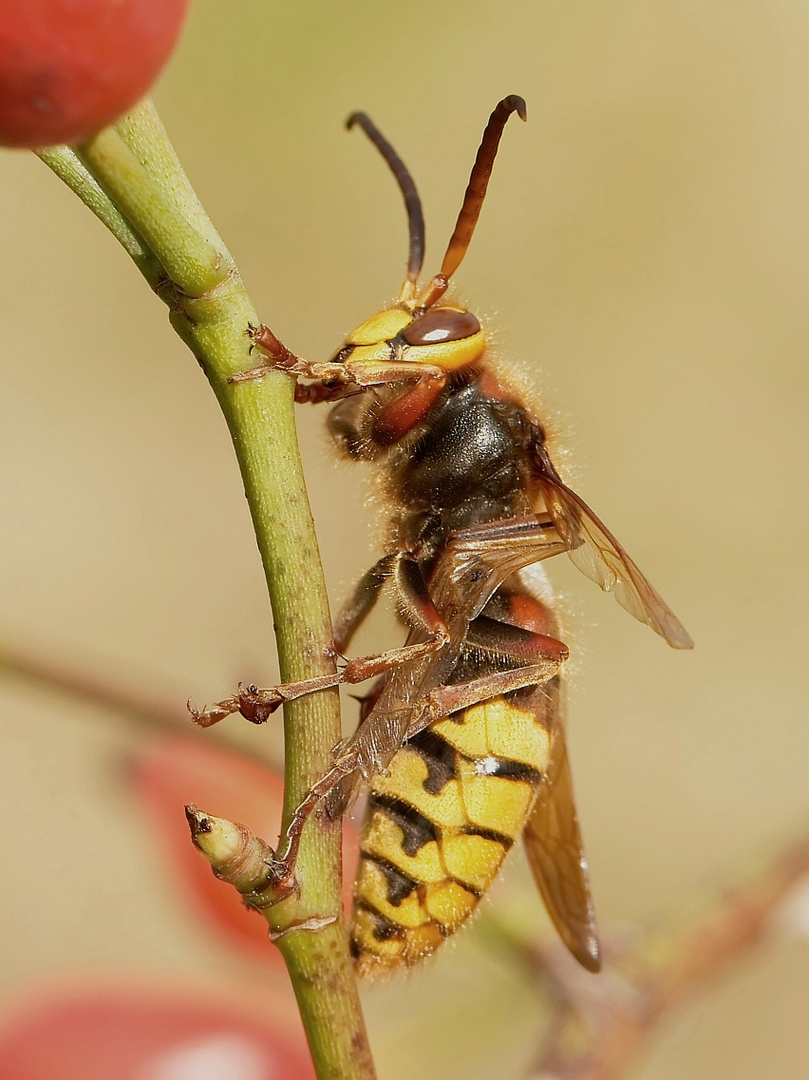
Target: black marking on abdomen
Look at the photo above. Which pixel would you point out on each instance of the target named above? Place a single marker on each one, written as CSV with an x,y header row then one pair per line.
x,y
438,756
512,770
417,830
400,886
385,929
504,841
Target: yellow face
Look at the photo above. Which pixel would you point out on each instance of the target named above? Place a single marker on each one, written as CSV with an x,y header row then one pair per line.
x,y
444,337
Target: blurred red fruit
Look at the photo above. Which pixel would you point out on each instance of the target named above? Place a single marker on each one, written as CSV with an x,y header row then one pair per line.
x,y
174,771
130,1033
70,67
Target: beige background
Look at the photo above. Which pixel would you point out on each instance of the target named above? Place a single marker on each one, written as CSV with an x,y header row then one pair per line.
x,y
645,253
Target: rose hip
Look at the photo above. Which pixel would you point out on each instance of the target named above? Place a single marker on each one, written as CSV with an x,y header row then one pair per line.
x,y
70,67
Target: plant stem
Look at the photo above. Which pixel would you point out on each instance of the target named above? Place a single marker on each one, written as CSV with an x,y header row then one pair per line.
x,y
137,170
599,1027
89,682
193,261
68,166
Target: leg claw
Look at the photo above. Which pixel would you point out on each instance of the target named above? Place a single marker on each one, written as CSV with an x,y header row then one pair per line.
x,y
255,705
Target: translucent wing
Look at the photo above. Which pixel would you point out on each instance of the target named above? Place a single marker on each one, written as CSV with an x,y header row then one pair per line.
x,y
596,552
556,854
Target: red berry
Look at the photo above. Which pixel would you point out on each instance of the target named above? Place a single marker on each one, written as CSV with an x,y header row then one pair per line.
x,y
70,67
94,1029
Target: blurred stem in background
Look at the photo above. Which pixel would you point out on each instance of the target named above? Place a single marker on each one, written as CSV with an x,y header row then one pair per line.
x,y
130,177
600,1027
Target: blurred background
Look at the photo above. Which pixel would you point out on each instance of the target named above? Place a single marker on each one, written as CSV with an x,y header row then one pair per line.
x,y
644,254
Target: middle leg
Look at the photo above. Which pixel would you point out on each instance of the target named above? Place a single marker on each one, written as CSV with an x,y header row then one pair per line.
x,y
419,611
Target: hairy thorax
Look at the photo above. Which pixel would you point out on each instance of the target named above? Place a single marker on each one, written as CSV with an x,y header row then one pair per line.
x,y
467,462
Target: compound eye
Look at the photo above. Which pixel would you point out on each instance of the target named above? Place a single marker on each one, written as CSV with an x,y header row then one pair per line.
x,y
440,325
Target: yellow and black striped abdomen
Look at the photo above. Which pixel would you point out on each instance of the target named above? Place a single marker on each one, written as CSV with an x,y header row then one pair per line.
x,y
438,827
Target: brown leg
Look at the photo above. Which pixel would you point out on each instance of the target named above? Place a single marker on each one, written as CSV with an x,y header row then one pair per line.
x,y
361,602
337,376
402,414
445,700
500,637
257,705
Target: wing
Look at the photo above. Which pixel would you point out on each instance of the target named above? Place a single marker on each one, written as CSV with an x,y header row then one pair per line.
x,y
555,852
595,551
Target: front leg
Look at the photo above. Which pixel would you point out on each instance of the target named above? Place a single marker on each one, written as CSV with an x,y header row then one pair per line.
x,y
331,376
335,379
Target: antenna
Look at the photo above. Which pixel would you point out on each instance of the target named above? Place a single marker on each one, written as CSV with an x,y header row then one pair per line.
x,y
415,215
473,199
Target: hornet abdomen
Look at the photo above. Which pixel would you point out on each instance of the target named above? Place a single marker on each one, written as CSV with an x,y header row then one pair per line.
x,y
440,824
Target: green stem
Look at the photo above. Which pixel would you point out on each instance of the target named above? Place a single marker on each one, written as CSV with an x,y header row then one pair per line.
x,y
68,166
137,170
143,132
193,261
